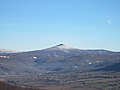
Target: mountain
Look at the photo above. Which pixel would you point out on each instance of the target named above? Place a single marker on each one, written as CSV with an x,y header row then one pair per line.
x,y
59,58
7,51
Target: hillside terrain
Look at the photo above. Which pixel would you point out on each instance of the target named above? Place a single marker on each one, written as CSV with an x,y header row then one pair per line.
x,y
61,67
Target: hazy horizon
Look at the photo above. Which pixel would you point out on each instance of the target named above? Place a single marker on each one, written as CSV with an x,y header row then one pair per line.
x,y
84,24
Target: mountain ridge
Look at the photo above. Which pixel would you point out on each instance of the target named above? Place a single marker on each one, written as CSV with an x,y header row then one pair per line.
x,y
59,58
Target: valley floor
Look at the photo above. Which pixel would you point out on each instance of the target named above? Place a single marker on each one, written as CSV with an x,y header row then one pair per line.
x,y
63,81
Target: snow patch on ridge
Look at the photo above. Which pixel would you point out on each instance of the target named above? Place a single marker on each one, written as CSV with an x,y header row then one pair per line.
x,y
62,47
34,57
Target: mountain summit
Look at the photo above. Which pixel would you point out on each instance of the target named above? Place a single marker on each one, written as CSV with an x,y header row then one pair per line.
x,y
62,47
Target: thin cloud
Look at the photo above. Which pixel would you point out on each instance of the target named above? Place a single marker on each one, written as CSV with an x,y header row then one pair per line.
x,y
109,22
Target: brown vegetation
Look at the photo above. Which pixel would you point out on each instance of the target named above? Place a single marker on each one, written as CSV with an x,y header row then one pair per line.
x,y
5,86
63,81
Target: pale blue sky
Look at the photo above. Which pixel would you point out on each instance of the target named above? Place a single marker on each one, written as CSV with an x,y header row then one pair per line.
x,y
37,24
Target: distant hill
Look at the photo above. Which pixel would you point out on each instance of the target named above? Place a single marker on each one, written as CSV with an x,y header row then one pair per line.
x,y
58,58
7,51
